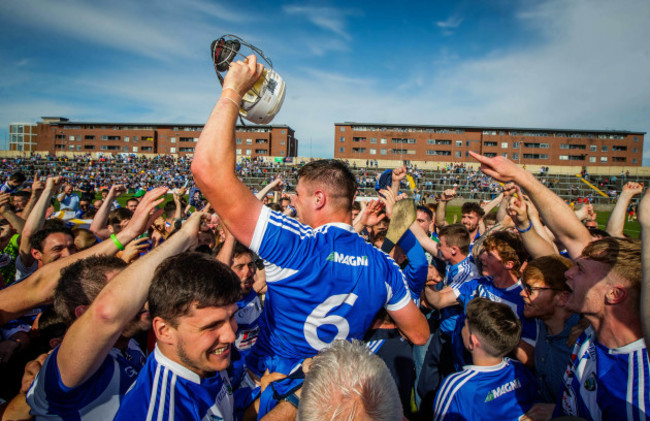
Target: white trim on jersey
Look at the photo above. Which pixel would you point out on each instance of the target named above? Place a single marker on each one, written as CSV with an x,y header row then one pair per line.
x,y
449,388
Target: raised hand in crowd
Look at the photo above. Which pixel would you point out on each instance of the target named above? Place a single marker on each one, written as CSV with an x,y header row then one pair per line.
x,y
558,216
616,222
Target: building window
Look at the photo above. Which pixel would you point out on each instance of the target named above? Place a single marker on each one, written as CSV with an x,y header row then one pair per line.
x,y
634,160
373,151
459,154
89,147
281,152
373,140
249,152
342,139
172,140
619,159
515,145
603,148
515,156
261,151
619,148
249,141
282,142
341,149
603,159
504,145
89,137
135,149
490,143
284,131
172,149
593,148
636,139
342,129
564,157
358,150
237,151
459,144
383,141
382,152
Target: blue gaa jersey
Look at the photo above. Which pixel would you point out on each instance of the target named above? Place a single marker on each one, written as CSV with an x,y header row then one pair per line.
x,y
511,296
98,398
323,284
606,384
247,315
501,392
455,276
165,390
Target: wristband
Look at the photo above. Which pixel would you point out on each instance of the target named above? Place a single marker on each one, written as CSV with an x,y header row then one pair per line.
x,y
525,230
231,100
292,399
232,89
117,242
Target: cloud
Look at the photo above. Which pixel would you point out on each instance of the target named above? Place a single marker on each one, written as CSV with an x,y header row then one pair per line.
x,y
327,18
134,27
452,22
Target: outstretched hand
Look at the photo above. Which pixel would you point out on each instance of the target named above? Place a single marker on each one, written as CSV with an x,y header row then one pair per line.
x,y
142,217
498,167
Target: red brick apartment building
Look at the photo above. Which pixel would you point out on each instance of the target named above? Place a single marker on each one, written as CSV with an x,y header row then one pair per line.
x,y
522,145
58,134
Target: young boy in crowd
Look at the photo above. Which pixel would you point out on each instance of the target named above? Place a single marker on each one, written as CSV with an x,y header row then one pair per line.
x,y
493,387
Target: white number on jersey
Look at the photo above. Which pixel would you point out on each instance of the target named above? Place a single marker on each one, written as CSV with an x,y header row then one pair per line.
x,y
318,318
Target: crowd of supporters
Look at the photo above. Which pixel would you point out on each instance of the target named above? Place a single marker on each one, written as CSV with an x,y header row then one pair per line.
x,y
203,298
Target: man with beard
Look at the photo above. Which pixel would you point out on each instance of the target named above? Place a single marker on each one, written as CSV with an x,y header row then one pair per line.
x,y
471,215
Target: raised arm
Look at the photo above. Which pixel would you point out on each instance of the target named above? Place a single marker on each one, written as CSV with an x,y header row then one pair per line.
x,y
644,221
558,216
99,226
492,204
5,210
508,191
616,221
441,210
273,185
533,242
38,289
117,304
37,189
214,158
36,219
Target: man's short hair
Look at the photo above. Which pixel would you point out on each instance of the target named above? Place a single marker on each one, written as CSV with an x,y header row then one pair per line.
x,y
623,255
83,238
81,282
469,207
23,194
356,206
169,208
456,235
118,215
334,174
426,210
133,199
188,279
347,379
17,177
509,247
37,240
496,325
550,270
490,218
